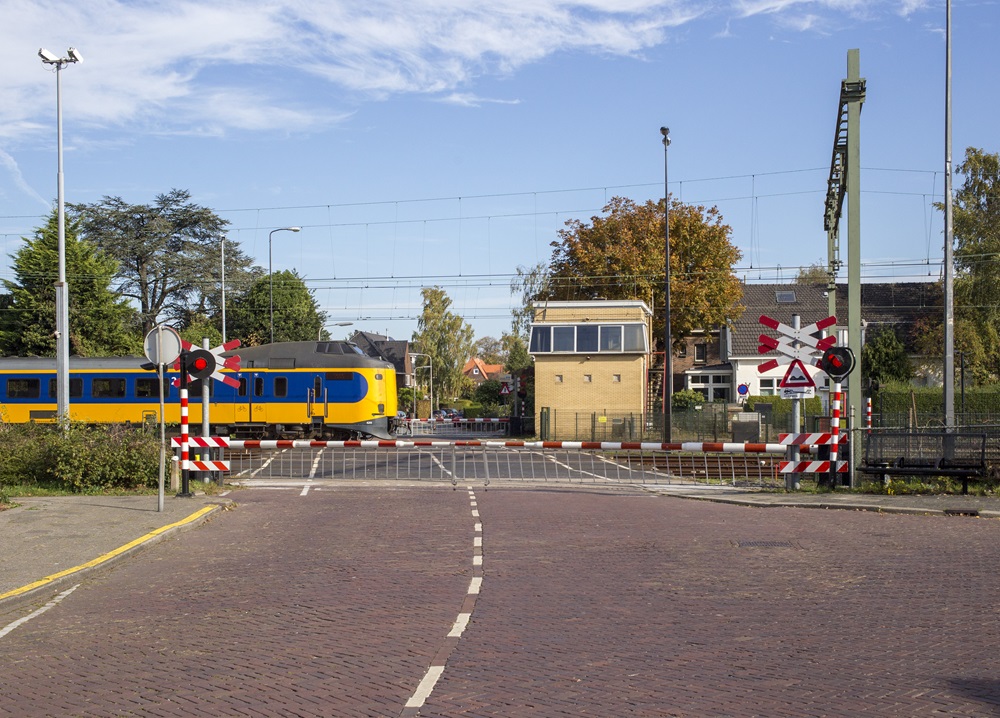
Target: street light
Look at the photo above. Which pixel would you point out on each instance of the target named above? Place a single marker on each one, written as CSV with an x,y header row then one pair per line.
x,y
430,365
270,277
223,238
62,291
668,364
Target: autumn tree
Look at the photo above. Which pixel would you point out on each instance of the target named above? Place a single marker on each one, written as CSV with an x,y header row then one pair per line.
x,y
489,349
620,255
100,322
444,337
815,274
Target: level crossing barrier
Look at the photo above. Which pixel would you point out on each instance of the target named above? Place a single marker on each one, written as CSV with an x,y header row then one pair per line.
x,y
608,463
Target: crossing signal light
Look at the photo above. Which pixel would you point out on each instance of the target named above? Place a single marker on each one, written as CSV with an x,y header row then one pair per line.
x,y
838,362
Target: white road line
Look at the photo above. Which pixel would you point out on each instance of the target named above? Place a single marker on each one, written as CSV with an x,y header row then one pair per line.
x,y
426,686
475,584
479,527
51,604
461,623
477,541
475,513
305,490
477,560
316,462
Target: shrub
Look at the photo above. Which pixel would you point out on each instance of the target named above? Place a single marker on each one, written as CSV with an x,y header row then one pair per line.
x,y
81,459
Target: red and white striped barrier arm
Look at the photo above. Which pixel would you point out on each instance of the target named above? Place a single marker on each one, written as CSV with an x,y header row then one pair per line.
x,y
209,466
811,439
209,442
689,447
810,467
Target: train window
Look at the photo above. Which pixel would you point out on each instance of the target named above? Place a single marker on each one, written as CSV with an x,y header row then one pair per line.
x,y
145,387
258,386
317,387
75,388
339,375
23,388
194,388
106,387
242,391
280,386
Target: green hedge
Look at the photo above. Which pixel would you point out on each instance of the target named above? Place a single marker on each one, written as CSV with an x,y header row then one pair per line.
x,y
895,397
82,459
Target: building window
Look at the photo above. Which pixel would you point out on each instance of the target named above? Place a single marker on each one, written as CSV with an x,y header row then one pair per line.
x,y
586,338
541,340
767,387
616,378
559,378
611,339
701,353
683,351
563,339
587,378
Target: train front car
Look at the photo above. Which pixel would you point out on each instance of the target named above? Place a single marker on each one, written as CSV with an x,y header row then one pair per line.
x,y
320,389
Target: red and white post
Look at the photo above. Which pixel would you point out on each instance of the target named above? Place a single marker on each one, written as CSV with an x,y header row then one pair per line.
x,y
185,465
835,431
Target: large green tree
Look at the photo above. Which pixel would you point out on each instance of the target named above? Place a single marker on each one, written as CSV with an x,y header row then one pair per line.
x,y
977,252
100,322
297,316
446,338
620,255
167,253
884,358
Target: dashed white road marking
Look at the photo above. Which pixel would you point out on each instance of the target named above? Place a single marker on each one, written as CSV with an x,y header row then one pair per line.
x,y
475,584
461,623
316,463
426,686
35,614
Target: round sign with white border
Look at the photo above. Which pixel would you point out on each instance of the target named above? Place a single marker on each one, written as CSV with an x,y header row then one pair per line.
x,y
162,344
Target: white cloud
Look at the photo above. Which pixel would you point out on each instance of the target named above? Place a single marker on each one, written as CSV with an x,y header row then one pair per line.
x,y
195,67
14,172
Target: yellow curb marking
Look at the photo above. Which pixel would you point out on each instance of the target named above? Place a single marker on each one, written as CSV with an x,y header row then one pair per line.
x,y
106,557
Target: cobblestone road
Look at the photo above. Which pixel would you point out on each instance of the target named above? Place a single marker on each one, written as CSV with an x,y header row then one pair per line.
x,y
337,602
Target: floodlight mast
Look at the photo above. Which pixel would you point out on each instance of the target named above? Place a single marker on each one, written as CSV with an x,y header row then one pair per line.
x,y
62,291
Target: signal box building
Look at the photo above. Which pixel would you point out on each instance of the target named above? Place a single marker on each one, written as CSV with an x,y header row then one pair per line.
x,y
591,357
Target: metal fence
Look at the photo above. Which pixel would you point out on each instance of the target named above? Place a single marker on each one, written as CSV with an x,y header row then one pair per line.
x,y
488,462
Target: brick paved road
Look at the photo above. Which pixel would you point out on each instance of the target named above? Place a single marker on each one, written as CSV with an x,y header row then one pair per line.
x,y
334,604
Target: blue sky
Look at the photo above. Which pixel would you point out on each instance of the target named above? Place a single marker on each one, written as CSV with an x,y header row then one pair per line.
x,y
437,142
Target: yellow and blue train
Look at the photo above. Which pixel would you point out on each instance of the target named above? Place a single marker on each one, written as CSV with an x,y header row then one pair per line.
x,y
314,389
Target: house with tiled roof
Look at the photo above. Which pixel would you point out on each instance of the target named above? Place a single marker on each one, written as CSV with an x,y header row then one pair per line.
x,y
479,371
388,349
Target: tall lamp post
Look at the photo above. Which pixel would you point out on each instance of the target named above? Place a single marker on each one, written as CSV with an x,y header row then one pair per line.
x,y
668,363
223,289
62,291
429,365
270,275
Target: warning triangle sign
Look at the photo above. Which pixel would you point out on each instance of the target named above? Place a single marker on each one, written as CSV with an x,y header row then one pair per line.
x,y
797,376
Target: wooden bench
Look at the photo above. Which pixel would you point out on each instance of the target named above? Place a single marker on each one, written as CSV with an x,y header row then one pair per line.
x,y
901,452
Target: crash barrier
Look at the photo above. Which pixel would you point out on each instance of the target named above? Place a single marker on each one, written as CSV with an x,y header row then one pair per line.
x,y
608,463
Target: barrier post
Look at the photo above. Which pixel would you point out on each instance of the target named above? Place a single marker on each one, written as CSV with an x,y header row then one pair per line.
x,y
185,466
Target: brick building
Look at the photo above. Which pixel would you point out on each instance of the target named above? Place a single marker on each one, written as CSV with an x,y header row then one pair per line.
x,y
591,356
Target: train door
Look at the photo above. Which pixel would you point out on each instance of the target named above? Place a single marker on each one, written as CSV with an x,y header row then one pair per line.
x,y
317,403
249,407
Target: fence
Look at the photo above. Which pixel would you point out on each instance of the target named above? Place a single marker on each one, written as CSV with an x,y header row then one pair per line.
x,y
604,463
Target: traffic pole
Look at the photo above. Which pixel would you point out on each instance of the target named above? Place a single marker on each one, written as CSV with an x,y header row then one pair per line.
x,y
835,431
185,466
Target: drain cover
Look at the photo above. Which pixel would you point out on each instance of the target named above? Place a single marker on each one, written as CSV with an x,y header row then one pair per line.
x,y
765,544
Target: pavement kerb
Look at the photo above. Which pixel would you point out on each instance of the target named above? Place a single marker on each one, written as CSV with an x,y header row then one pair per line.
x,y
843,506
68,575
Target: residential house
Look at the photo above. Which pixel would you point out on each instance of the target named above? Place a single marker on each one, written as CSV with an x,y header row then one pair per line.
x,y
479,371
388,349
